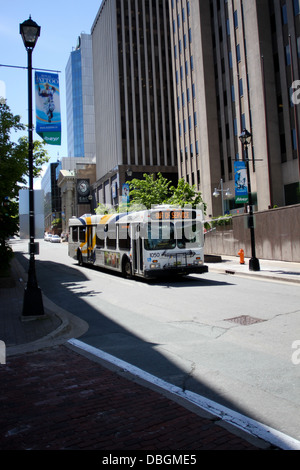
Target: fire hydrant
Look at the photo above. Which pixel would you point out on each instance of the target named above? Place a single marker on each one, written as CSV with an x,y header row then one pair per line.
x,y
242,257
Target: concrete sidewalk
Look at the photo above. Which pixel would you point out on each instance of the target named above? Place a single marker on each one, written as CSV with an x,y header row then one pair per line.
x,y
281,271
55,396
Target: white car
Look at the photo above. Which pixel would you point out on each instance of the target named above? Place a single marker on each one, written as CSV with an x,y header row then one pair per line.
x,y
55,239
47,237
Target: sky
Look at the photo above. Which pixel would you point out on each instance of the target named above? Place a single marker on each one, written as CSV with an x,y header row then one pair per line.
x,y
61,22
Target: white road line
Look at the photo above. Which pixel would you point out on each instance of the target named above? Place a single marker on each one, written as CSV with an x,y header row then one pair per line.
x,y
248,425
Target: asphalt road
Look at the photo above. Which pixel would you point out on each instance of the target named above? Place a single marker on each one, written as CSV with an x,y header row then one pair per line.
x,y
190,333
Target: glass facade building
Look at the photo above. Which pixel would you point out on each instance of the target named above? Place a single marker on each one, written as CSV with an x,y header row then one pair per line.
x,y
80,100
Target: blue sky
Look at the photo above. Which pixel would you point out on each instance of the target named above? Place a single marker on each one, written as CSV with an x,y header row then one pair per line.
x,y
61,23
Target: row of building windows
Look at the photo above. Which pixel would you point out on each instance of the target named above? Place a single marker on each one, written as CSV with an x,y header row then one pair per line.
x,y
190,124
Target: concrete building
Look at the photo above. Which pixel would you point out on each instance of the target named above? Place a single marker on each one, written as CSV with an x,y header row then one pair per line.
x,y
234,64
80,100
71,173
134,101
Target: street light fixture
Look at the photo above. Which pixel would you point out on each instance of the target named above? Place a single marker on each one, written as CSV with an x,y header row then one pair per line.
x,y
33,303
222,191
245,139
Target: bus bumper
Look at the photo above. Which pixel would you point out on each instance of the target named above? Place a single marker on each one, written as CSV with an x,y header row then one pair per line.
x,y
184,270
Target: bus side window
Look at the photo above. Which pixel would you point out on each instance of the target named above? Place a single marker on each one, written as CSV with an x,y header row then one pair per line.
x,y
82,234
74,234
111,236
99,240
124,237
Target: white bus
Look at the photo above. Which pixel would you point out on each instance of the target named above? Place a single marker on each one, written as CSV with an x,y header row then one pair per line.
x,y
146,243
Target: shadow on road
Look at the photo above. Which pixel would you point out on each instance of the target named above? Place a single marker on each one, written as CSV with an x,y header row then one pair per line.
x,y
61,284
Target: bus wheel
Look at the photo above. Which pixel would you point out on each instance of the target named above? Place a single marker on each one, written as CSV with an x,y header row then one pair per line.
x,y
126,268
79,257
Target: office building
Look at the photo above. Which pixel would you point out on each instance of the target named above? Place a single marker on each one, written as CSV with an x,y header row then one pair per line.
x,y
134,101
52,197
80,100
234,65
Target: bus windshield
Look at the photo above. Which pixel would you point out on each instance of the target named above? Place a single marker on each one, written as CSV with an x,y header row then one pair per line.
x,y
160,236
189,235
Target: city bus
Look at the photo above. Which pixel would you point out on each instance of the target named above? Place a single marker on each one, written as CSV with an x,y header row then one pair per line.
x,y
150,243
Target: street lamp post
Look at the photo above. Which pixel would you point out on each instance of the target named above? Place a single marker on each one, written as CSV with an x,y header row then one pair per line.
x,y
222,191
33,303
245,139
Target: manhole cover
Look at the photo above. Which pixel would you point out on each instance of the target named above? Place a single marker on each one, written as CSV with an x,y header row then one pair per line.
x,y
244,320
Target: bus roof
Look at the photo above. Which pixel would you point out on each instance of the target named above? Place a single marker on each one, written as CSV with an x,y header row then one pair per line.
x,y
137,216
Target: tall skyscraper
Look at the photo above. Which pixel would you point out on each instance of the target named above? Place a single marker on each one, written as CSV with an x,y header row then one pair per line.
x,y
80,100
234,65
134,101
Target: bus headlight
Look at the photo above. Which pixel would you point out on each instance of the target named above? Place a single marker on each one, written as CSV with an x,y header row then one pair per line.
x,y
154,265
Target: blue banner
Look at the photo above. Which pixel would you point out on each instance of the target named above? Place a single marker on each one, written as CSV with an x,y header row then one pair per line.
x,y
47,97
125,193
240,182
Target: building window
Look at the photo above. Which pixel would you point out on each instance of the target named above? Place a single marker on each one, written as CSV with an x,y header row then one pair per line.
x,y
287,55
238,53
228,27
284,14
294,138
241,86
235,17
232,93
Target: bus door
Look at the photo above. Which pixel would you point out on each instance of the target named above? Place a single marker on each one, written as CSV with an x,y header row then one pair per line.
x,y
137,249
89,243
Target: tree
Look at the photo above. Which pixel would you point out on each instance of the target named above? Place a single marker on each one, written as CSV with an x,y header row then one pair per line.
x,y
13,172
184,194
151,191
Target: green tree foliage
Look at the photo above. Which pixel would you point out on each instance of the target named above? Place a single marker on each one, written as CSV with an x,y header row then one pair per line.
x,y
13,172
153,191
149,191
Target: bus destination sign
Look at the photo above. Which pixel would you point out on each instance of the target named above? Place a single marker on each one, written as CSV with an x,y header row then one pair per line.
x,y
173,215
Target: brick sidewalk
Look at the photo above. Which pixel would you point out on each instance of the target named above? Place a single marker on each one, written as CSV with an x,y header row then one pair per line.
x,y
57,399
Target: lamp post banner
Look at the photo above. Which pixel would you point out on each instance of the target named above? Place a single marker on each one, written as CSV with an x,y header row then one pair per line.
x,y
48,117
241,182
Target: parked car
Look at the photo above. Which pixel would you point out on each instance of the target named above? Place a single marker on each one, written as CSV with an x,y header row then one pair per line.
x,y
55,239
47,237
